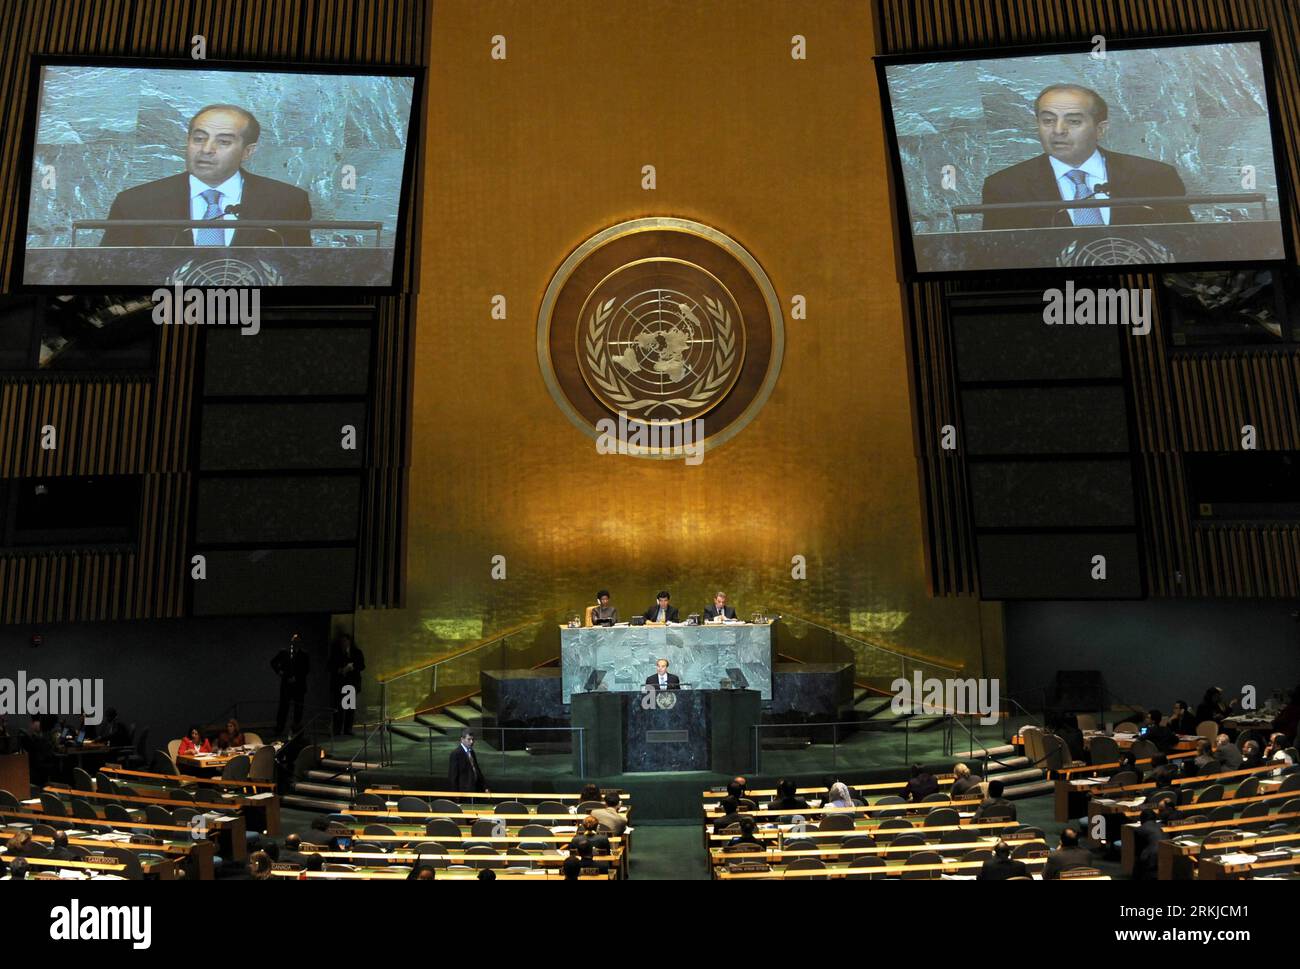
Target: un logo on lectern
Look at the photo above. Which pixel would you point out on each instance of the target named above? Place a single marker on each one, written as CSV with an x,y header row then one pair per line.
x,y
661,321
225,272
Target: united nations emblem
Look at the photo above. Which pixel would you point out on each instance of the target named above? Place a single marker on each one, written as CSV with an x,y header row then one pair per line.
x,y
659,322
665,700
1113,251
225,272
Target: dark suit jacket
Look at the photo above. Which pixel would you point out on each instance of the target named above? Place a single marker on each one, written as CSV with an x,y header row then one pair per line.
x,y
293,673
1229,756
652,614
1164,738
340,659
1063,858
996,871
674,683
1127,176
997,805
463,771
169,198
710,612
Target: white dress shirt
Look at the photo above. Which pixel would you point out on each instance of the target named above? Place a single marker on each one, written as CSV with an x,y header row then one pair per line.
x,y
1094,170
232,190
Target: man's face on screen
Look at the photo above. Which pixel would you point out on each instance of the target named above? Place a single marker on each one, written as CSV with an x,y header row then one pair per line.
x,y
1066,126
216,148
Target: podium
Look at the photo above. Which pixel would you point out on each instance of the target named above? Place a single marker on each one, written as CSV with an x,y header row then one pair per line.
x,y
672,730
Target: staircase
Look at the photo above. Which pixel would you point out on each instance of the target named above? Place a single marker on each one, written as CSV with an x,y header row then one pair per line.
x,y
328,788
1021,778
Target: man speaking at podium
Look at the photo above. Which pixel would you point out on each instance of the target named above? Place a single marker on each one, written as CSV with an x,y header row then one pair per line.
x,y
214,186
662,679
1071,121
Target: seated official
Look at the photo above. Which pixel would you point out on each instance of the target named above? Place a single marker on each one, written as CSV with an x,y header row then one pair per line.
x,y
995,804
235,733
589,836
662,679
1251,754
719,610
1069,855
114,730
1160,735
589,793
1204,763
1212,706
661,611
603,614
609,817
839,796
1002,866
787,797
963,781
214,186
920,785
730,809
194,743
1182,721
736,787
1227,753
747,836
1162,772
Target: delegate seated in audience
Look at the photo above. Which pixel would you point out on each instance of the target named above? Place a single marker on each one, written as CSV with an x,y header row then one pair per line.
x,y
1001,866
259,866
61,850
1204,763
1146,839
1212,706
235,733
746,836
1182,721
39,745
737,787
730,809
1227,753
590,837
1067,728
609,817
572,866
194,743
1251,754
995,804
293,854
964,781
1276,751
920,785
1160,735
1288,721
587,859
1162,773
787,797
20,844
839,796
1069,855
114,730
589,792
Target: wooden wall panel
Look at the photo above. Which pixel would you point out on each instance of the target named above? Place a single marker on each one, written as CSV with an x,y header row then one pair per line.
x,y
131,425
1190,401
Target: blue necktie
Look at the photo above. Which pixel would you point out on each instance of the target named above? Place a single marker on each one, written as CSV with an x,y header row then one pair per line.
x,y
1082,216
211,237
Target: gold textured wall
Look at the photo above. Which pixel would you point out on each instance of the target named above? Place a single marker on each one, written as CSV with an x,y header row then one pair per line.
x,y
528,157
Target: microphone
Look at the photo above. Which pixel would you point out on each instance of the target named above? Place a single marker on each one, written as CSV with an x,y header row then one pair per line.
x,y
231,210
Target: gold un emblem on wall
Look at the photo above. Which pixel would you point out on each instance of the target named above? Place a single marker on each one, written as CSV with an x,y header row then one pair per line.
x,y
661,321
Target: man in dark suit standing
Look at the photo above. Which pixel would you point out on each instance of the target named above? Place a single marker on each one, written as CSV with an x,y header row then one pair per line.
x,y
214,185
661,611
463,772
662,679
346,665
1071,120
719,609
292,664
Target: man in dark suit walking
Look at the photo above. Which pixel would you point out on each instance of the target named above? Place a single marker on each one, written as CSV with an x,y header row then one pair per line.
x,y
1071,120
661,611
661,679
719,609
463,772
292,664
214,185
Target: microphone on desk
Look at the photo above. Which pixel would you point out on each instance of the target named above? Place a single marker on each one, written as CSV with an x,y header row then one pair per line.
x,y
231,210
